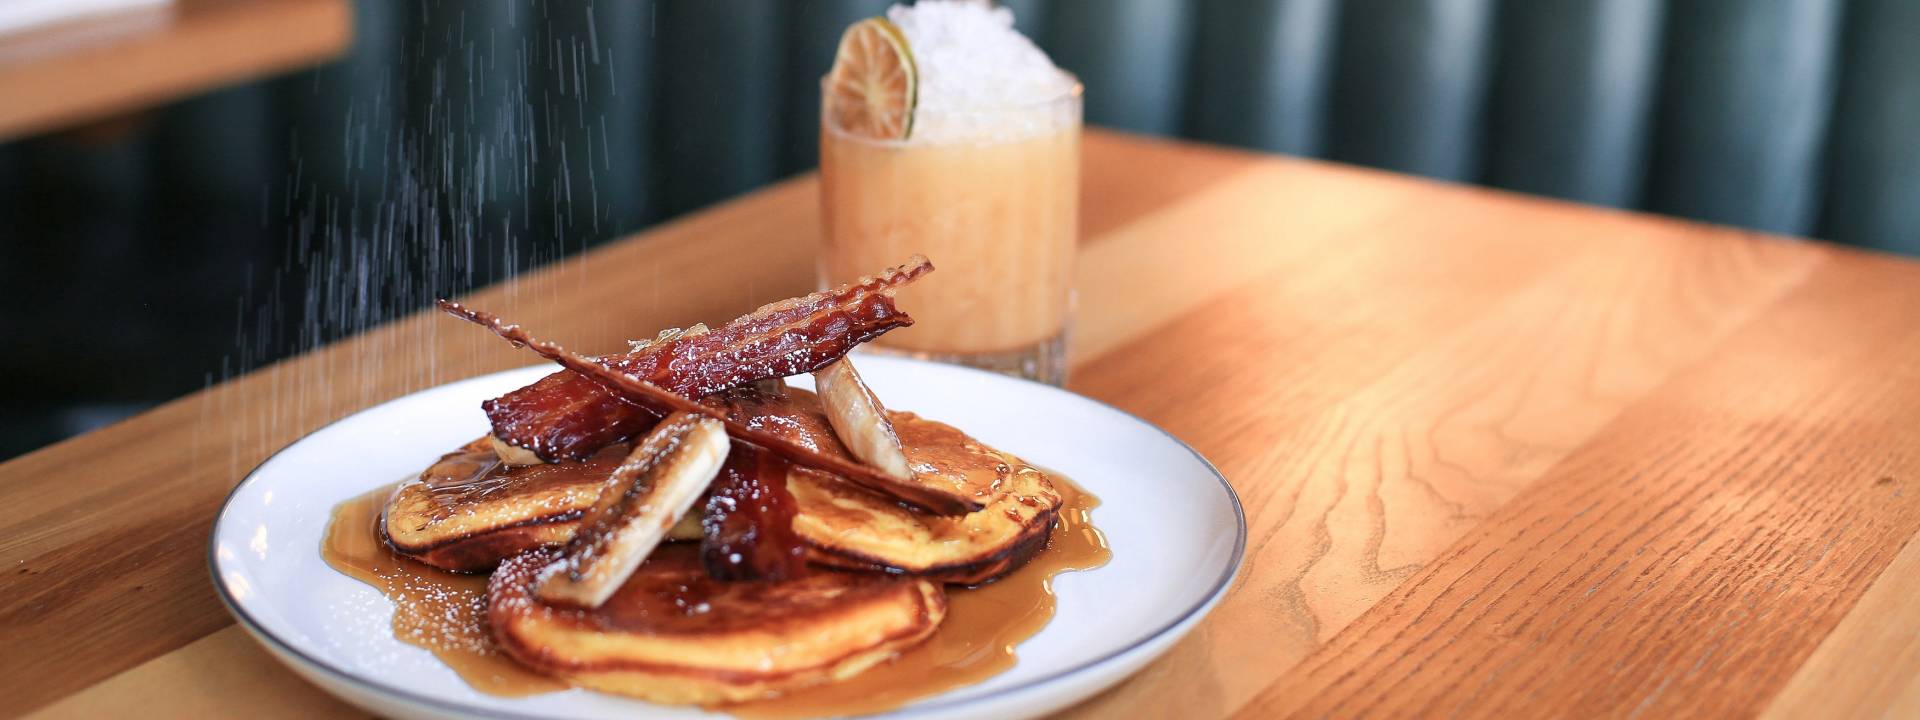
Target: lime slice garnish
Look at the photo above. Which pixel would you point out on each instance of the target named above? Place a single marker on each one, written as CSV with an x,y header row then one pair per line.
x,y
874,85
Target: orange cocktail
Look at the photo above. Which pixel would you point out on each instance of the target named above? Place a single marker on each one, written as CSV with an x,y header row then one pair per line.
x,y
987,187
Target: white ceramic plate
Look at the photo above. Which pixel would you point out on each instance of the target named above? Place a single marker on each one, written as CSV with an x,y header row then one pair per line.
x,y
1175,527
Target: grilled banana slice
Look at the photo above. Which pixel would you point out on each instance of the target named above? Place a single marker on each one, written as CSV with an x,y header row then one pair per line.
x,y
859,420
643,499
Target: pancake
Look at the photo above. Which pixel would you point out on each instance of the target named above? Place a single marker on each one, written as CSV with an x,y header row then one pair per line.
x,y
468,511
671,634
847,527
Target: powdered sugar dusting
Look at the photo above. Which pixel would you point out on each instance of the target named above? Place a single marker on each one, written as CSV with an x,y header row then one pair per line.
x,y
980,80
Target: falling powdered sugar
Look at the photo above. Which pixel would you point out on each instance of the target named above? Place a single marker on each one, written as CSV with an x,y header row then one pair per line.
x,y
979,79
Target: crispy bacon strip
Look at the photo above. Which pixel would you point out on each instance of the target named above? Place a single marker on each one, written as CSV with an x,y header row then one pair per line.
x,y
565,416
748,523
661,403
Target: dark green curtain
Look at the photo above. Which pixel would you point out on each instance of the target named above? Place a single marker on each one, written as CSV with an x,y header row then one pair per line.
x,y
1792,116
470,139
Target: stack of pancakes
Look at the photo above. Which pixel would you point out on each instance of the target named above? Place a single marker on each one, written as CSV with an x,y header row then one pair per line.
x,y
673,633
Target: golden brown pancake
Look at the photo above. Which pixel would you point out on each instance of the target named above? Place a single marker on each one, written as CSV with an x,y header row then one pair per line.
x,y
848,527
469,511
671,634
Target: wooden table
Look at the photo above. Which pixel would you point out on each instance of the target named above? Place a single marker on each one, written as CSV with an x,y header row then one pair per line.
x,y
93,68
1498,453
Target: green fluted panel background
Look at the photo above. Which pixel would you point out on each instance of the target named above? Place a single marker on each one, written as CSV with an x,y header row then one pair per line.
x,y
1260,73
1873,197
719,66
1572,93
346,113
584,121
1410,80
1130,54
609,120
1742,121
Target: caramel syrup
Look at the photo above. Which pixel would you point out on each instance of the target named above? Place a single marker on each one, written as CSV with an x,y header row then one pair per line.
x,y
445,613
441,611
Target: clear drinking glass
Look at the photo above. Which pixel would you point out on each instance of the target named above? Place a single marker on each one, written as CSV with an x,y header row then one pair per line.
x,y
997,209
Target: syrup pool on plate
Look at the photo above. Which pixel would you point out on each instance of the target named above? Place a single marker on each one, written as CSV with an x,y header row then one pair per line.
x,y
444,612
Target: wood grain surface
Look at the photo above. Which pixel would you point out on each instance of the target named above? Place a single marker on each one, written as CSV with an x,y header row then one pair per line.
x,y
1499,455
95,67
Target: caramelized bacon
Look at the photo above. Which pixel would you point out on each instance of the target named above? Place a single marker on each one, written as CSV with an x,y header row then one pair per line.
x,y
749,521
568,416
792,414
564,416
661,402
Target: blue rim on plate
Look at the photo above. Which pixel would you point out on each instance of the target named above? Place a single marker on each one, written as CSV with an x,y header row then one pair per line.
x,y
1206,602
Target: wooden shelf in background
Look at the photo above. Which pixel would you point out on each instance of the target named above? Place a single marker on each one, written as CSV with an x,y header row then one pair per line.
x,y
92,69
